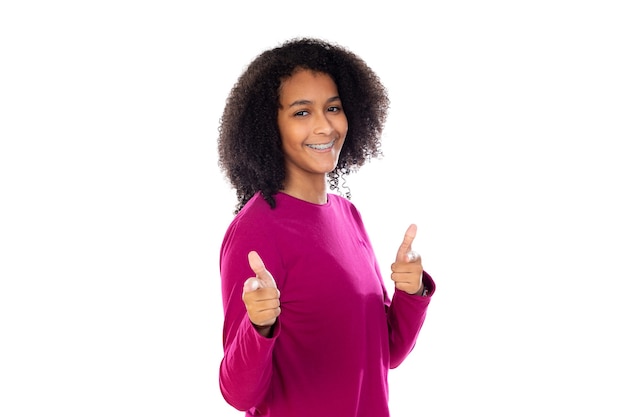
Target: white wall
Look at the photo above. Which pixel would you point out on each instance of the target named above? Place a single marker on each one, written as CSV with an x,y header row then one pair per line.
x,y
504,144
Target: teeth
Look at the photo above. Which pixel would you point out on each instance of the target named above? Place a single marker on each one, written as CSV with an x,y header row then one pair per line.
x,y
322,147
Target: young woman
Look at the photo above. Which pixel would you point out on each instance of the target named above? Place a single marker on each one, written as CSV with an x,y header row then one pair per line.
x,y
309,328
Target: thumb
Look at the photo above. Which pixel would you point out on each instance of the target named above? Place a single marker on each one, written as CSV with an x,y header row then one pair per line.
x,y
405,247
264,276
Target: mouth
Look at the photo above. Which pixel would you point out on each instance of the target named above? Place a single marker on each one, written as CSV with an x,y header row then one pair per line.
x,y
321,146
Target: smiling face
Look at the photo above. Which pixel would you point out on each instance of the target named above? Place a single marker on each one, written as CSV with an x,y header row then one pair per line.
x,y
312,126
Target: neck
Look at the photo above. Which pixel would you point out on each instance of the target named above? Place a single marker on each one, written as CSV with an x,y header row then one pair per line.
x,y
313,193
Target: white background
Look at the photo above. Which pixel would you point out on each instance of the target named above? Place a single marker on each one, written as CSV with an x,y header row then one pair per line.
x,y
504,144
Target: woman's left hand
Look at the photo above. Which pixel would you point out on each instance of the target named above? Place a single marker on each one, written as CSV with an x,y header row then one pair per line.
x,y
406,271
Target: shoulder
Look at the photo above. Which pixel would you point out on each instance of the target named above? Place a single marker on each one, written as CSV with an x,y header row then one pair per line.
x,y
255,215
344,205
256,227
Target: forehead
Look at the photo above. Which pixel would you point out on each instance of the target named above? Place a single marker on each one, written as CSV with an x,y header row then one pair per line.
x,y
306,83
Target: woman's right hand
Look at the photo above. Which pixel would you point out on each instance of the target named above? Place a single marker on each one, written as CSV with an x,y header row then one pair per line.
x,y
261,296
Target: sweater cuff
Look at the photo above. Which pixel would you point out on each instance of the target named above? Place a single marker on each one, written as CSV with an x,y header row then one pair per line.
x,y
273,335
429,284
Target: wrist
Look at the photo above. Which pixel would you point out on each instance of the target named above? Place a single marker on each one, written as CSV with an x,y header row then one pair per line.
x,y
265,330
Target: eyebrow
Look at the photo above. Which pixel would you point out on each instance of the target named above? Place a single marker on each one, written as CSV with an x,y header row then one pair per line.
x,y
306,102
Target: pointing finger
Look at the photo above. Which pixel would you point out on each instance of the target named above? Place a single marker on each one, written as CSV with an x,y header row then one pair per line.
x,y
413,256
251,284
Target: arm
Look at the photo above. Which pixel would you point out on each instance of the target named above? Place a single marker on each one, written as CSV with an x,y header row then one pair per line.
x,y
405,317
407,310
246,368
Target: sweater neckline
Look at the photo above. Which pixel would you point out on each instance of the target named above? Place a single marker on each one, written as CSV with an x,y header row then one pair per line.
x,y
286,196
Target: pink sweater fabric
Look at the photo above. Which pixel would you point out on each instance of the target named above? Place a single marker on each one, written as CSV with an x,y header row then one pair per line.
x,y
338,333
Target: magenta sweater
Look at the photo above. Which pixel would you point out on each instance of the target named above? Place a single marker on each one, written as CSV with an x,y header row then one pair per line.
x,y
338,333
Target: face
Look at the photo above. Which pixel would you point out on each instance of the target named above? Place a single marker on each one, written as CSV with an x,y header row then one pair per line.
x,y
312,125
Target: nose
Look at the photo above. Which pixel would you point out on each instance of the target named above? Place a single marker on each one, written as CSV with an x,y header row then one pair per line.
x,y
323,125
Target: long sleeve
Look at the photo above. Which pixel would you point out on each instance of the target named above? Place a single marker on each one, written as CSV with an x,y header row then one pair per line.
x,y
405,318
246,369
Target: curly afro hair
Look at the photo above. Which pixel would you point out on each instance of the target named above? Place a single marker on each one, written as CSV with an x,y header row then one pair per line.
x,y
249,143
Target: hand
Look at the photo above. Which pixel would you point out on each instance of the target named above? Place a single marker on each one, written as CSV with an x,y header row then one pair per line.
x,y
406,271
260,294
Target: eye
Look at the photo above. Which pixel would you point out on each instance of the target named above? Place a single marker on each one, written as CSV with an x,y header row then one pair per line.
x,y
334,109
301,113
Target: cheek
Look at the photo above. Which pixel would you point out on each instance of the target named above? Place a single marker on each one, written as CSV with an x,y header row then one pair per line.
x,y
284,131
344,127
290,137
